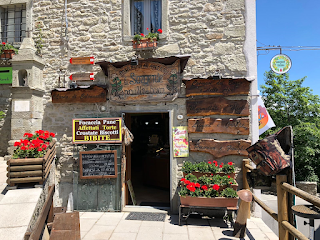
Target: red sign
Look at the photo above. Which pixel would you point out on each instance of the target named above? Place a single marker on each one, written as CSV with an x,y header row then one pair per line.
x,y
82,60
96,130
82,76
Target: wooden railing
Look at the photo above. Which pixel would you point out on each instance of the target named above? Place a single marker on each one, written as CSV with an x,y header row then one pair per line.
x,y
46,215
283,190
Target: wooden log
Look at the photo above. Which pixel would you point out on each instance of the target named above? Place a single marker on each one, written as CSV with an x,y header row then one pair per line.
x,y
25,161
217,106
282,207
220,149
25,174
243,213
241,222
225,86
24,180
24,168
295,232
272,213
238,126
245,171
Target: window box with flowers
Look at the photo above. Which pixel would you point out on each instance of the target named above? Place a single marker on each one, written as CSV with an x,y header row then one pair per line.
x,y
7,51
208,168
146,42
195,194
32,159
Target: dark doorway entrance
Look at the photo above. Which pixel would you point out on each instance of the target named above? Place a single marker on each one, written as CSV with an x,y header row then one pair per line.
x,y
149,159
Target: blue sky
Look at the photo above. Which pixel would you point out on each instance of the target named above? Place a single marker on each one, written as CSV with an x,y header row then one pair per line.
x,y
290,23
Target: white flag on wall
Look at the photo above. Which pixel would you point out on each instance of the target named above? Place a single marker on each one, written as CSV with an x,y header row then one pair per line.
x,y
265,121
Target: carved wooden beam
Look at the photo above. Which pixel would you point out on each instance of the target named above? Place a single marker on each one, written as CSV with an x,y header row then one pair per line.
x,y
220,149
218,106
239,126
225,87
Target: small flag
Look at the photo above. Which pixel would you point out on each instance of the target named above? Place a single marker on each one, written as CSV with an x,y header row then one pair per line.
x,y
265,121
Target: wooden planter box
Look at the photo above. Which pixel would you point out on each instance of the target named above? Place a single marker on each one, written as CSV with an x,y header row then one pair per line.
x,y
145,44
30,170
209,202
200,174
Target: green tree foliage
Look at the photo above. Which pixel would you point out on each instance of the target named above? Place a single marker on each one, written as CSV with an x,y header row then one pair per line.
x,y
289,103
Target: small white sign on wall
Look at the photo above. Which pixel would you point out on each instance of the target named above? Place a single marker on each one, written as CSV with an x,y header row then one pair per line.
x,y
21,106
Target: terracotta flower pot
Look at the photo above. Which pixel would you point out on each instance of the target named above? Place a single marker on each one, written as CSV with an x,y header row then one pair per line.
x,y
7,54
209,202
144,44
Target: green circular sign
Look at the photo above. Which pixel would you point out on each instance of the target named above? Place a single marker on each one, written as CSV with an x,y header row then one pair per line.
x,y
280,63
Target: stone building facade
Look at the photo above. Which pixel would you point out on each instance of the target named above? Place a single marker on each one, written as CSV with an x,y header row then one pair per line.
x,y
217,35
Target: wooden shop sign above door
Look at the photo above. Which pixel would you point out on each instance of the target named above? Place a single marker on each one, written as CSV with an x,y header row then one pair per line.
x,y
82,77
239,126
147,81
83,94
218,106
225,87
82,60
220,149
96,130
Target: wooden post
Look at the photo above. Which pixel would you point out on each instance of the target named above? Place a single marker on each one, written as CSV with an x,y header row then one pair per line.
x,y
282,206
243,213
245,184
245,170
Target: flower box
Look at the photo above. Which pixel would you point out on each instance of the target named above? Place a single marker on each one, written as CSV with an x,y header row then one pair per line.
x,y
145,44
30,170
209,202
7,54
200,174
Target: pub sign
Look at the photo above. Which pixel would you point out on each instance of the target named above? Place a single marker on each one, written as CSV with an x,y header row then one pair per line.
x,y
147,81
96,130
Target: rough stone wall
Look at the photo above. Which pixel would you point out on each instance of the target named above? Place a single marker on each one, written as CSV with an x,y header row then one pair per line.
x,y
211,31
5,123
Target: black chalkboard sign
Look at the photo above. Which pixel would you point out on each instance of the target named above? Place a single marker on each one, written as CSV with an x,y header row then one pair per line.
x,y
98,164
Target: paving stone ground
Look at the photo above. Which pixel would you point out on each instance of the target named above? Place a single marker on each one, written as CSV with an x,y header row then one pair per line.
x,y
114,226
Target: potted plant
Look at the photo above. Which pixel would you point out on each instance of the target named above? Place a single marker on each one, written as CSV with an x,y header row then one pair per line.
x,y
31,160
149,41
7,50
195,194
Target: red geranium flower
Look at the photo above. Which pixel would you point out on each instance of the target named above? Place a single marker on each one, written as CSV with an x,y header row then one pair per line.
x,y
142,34
230,163
214,162
3,43
210,162
204,187
216,187
182,179
228,176
23,148
52,134
191,188
39,149
29,135
187,182
221,166
147,29
160,30
17,144
197,185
